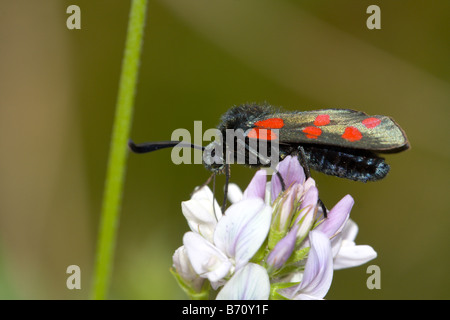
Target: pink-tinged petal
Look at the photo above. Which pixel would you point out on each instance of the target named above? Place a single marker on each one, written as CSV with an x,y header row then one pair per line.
x,y
291,171
249,283
206,260
257,187
337,217
309,183
310,200
285,212
318,273
307,215
234,193
243,229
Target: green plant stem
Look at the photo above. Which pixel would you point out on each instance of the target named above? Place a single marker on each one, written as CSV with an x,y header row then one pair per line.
x,y
112,197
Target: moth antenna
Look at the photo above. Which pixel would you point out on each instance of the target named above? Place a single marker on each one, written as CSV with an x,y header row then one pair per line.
x,y
157,145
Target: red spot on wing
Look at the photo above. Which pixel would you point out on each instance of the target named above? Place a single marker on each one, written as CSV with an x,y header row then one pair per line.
x,y
371,123
322,120
352,134
253,133
272,123
263,134
312,132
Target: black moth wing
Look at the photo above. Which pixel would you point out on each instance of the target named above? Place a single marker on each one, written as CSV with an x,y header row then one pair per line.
x,y
338,142
344,128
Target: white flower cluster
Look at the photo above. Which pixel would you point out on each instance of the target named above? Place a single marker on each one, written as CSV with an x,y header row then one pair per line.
x,y
269,244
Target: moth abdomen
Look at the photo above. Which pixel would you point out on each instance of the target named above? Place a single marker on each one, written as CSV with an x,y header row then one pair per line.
x,y
357,165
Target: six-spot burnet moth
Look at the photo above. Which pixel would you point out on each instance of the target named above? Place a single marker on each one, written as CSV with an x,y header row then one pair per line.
x,y
338,142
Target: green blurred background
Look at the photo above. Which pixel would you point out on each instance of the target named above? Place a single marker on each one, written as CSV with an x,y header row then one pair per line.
x,y
58,90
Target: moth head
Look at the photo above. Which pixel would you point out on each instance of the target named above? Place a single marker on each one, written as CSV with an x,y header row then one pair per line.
x,y
213,158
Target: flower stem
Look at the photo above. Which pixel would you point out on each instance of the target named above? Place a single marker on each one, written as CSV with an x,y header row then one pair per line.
x,y
118,151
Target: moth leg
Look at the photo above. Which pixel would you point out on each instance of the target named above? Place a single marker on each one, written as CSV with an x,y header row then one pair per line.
x,y
324,209
227,181
264,160
213,178
204,184
302,159
283,185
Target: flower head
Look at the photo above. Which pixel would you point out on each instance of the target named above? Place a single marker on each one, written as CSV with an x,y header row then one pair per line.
x,y
271,243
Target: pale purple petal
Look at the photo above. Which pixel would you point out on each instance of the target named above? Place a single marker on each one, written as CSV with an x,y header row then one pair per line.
x,y
348,234
318,272
309,201
285,212
206,260
249,283
309,183
243,229
282,250
337,217
291,171
257,187
306,217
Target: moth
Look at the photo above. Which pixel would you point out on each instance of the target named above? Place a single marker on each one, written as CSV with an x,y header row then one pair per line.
x,y
340,142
